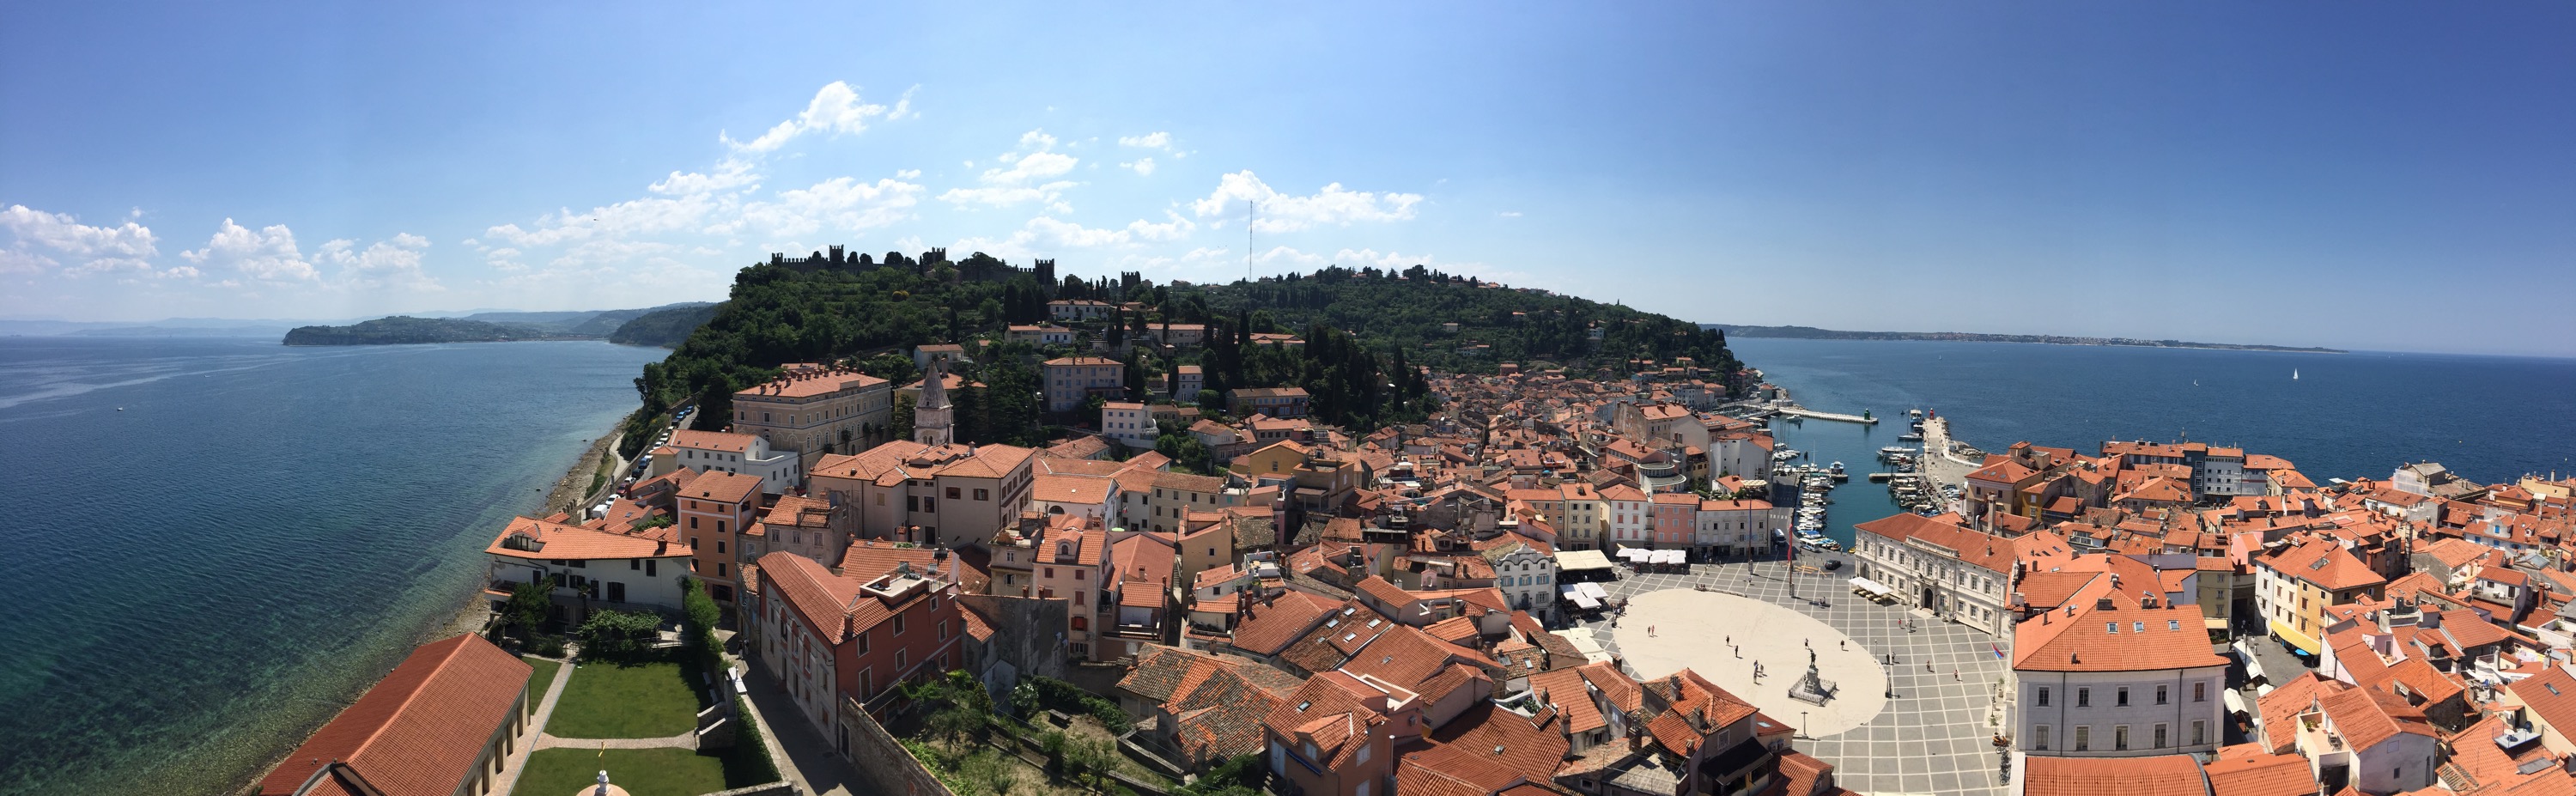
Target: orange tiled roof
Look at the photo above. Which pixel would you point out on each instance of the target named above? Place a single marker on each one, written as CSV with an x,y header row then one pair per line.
x,y
558,541
2161,775
422,729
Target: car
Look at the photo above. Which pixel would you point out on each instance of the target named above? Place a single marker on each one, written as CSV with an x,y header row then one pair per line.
x,y
1833,564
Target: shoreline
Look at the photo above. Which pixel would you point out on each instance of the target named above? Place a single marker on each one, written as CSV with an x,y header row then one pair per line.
x,y
473,612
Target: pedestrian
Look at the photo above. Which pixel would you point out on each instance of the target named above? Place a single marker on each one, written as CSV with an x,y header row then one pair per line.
x,y
1843,644
1954,675
1730,640
1927,666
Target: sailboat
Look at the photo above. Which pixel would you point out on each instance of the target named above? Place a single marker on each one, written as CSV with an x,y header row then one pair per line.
x,y
2294,374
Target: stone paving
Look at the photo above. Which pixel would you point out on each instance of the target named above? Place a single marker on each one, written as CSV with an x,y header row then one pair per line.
x,y
1932,736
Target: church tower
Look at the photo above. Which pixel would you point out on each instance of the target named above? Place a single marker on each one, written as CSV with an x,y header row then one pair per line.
x,y
932,417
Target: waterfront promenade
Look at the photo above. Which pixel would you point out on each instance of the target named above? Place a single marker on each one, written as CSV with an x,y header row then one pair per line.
x,y
1939,464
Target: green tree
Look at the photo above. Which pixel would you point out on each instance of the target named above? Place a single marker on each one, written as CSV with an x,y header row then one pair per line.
x,y
616,635
901,426
529,603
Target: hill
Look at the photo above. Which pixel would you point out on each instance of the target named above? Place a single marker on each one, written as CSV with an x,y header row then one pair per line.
x,y
480,327
403,329
1813,333
1365,335
662,327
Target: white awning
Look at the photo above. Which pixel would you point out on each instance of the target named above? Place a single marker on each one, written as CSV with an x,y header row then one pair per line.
x,y
1585,602
1570,560
2234,703
1593,590
1668,556
1871,586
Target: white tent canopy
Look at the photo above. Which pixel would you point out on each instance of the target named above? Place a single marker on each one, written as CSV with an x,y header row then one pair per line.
x,y
1872,587
1570,560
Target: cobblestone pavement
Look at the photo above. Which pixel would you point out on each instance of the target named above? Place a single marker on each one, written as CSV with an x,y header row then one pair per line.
x,y
1933,736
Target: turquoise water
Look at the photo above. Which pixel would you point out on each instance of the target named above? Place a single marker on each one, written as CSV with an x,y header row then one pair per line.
x,y
259,534
2345,416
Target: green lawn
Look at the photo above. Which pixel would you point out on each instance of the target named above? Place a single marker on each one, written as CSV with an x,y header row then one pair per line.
x,y
605,700
642,772
540,680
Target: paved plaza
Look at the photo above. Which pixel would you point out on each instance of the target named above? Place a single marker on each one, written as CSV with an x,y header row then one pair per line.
x,y
1933,736
1722,636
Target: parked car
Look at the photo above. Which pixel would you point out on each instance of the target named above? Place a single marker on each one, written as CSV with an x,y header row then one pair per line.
x,y
1833,564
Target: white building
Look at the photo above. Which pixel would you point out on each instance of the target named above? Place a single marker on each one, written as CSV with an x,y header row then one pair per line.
x,y
1625,508
1934,563
1526,575
624,571
2117,675
1739,526
1085,496
1128,424
745,454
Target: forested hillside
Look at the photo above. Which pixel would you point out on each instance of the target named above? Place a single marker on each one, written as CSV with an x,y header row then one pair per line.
x,y
665,327
1365,335
403,329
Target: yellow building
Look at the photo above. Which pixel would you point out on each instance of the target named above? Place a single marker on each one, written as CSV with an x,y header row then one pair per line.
x,y
2297,581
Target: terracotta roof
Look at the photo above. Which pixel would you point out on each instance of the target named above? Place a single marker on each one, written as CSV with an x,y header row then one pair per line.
x,y
712,441
1994,553
723,487
1485,750
422,729
809,385
1268,629
1070,489
2122,638
2551,695
2258,774
2161,775
558,541
2322,562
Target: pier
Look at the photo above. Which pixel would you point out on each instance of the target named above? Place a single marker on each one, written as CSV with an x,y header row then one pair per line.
x,y
1793,411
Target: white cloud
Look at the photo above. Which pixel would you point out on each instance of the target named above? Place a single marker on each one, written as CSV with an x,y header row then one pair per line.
x,y
835,109
180,272
731,174
269,253
908,174
1028,176
386,263
37,234
1334,205
842,202
1509,214
903,106
1143,166
1154,140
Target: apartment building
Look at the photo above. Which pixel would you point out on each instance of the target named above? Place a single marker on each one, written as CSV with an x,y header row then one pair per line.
x,y
713,511
949,495
817,410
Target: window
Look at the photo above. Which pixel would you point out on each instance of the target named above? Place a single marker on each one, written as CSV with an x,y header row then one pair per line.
x,y
1363,789
720,571
952,493
900,656
693,523
898,624
863,641
1364,756
2121,698
650,566
2039,738
2160,736
1077,598
2120,738
1050,572
1078,573
983,494
2083,739
2083,699
2160,699
2199,732
634,563
2043,697
2200,692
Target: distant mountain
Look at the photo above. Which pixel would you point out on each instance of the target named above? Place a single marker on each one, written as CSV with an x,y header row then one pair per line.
x,y
664,327
1813,333
404,329
480,327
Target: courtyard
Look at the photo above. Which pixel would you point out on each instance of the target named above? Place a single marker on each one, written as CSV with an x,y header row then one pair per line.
x,y
1924,723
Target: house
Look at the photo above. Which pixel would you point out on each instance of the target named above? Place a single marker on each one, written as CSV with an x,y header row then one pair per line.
x,y
1067,565
620,571
923,355
950,495
715,451
1038,334
1175,494
1337,735
714,511
1071,310
1069,381
1200,708
2117,674
1187,381
816,410
1127,423
2295,581
839,641
1273,401
815,528
442,723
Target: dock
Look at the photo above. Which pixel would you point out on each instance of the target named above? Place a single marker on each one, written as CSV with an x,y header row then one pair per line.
x,y
1799,412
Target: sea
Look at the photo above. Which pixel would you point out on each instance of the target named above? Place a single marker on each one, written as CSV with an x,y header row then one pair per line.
x,y
221,541
2354,415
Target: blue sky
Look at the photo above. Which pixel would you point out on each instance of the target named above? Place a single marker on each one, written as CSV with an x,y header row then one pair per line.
x,y
2364,175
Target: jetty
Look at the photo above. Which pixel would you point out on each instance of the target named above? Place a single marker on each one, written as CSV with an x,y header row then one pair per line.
x,y
1793,411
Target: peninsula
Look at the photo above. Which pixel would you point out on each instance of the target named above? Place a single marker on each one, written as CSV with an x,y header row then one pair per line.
x,y
1813,333
487,327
